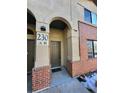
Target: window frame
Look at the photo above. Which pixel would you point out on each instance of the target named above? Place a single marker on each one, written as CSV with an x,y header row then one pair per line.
x,y
94,54
90,47
94,16
91,16
85,9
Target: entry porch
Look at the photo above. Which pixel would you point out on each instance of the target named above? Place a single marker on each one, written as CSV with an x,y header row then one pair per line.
x,y
62,82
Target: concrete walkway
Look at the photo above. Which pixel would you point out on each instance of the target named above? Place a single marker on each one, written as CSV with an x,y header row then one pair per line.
x,y
70,87
60,77
63,83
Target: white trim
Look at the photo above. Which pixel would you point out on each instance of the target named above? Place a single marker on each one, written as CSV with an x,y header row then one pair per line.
x,y
40,90
31,37
56,67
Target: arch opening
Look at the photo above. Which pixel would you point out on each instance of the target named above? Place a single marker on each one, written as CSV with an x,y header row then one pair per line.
x,y
31,24
59,43
61,22
58,24
30,18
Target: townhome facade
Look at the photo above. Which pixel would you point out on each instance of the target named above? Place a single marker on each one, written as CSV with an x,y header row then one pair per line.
x,y
60,33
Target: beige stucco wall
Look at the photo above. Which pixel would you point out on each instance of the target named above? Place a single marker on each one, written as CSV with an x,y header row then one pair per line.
x,y
45,11
72,10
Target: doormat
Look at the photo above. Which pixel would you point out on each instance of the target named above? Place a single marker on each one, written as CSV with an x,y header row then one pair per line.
x,y
56,69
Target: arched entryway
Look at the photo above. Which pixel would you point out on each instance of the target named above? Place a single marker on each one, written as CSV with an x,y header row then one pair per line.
x,y
31,35
31,23
59,43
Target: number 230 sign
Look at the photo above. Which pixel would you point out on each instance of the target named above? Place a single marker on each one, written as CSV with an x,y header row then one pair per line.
x,y
42,38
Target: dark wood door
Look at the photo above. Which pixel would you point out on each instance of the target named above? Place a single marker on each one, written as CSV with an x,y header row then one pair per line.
x,y
55,53
30,54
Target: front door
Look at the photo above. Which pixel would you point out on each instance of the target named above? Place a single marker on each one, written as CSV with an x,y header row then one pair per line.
x,y
30,54
55,50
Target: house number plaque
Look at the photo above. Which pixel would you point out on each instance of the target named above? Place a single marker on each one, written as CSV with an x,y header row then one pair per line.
x,y
42,38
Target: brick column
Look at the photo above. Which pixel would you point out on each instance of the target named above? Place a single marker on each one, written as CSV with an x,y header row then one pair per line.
x,y
74,68
40,78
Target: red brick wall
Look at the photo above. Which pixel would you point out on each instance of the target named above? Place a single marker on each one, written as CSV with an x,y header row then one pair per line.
x,y
41,78
84,65
87,32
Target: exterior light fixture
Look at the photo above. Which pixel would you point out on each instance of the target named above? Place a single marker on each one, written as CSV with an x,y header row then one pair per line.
x,y
43,28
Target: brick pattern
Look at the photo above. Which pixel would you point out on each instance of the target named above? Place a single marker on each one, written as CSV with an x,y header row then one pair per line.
x,y
78,67
73,68
41,78
84,65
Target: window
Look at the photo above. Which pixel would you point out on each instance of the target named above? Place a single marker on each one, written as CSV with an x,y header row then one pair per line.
x,y
92,48
94,18
90,16
87,15
95,48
